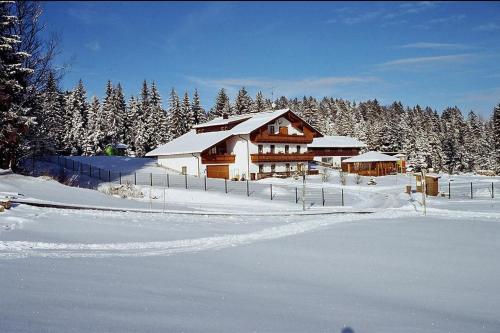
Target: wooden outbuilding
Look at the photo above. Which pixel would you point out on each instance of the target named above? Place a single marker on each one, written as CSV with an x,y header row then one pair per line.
x,y
431,184
372,164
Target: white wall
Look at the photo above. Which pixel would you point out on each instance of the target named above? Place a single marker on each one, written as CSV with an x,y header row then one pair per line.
x,y
176,162
283,122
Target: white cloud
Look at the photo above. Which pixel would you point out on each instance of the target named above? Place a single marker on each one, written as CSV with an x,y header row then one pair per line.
x,y
408,63
487,27
317,85
428,45
93,45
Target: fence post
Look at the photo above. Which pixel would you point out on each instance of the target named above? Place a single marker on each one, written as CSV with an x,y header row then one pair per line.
x,y
135,178
168,180
151,178
449,190
205,182
323,195
225,185
296,195
492,191
271,186
471,190
186,180
248,189
120,176
342,193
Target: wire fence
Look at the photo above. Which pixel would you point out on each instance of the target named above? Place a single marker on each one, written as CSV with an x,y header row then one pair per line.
x,y
470,190
75,173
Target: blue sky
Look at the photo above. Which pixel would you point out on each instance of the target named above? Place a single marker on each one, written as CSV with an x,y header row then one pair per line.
x,y
429,53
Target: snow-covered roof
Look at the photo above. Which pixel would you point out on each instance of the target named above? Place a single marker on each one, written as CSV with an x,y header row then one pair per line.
x,y
257,120
121,146
190,143
333,141
371,156
221,121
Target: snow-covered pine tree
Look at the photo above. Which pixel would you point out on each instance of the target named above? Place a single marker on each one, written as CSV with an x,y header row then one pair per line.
x,y
496,135
453,142
175,121
14,117
141,138
222,106
118,114
187,114
310,111
156,120
281,103
94,135
77,107
243,103
107,115
259,104
51,117
199,115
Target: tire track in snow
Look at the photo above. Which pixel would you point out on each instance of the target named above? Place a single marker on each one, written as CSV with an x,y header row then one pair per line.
x,y
25,249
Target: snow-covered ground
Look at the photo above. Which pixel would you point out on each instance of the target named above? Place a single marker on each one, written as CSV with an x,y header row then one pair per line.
x,y
393,271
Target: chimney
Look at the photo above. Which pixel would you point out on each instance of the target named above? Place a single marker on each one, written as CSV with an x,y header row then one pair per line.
x,y
225,116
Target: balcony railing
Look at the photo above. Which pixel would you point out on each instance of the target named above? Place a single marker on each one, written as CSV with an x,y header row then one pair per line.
x,y
297,157
282,138
219,158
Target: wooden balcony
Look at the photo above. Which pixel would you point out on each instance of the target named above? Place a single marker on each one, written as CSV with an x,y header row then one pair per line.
x,y
261,158
281,138
216,159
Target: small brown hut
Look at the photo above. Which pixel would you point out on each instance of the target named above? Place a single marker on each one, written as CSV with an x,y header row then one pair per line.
x,y
372,164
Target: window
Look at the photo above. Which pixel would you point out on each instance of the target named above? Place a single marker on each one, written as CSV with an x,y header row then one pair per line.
x,y
261,149
287,148
272,149
271,129
298,149
261,168
213,151
184,170
273,167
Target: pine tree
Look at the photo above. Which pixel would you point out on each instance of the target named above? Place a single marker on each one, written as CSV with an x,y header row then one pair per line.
x,y
94,136
222,106
156,121
14,116
496,136
175,120
243,103
51,117
259,105
187,114
76,107
199,115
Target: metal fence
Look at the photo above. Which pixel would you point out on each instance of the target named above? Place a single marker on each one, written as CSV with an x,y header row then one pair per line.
x,y
470,190
85,175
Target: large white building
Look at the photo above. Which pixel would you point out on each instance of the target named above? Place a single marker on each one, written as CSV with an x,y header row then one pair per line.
x,y
250,146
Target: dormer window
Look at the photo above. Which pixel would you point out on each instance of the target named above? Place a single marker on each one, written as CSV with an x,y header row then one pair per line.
x,y
271,129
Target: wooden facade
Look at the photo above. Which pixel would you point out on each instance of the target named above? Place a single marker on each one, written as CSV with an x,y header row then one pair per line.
x,y
293,157
316,151
373,169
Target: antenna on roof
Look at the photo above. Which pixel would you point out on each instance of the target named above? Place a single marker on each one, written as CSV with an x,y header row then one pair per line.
x,y
273,105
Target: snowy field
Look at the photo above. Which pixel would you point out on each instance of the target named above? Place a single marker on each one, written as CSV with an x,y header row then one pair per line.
x,y
391,271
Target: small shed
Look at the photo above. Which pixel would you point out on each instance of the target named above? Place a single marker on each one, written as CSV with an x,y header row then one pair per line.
x,y
117,149
431,183
372,163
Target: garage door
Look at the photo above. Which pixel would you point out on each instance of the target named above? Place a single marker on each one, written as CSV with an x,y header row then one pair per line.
x,y
218,171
